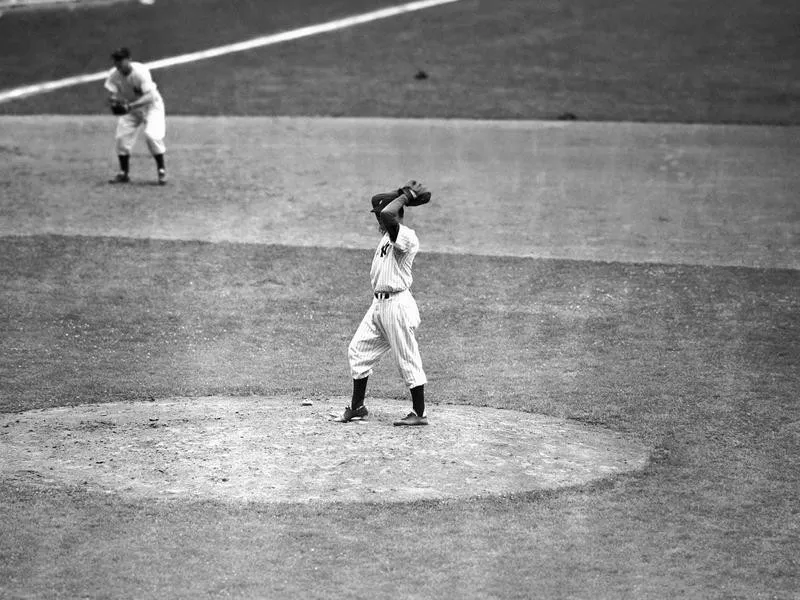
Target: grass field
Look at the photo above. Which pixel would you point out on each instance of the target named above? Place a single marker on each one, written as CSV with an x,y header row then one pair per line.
x,y
649,285
640,60
698,361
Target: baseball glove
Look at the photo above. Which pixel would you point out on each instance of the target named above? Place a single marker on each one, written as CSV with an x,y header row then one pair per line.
x,y
118,107
415,193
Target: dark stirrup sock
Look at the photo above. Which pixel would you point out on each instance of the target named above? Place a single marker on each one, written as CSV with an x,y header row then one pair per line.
x,y
124,162
418,399
159,160
359,391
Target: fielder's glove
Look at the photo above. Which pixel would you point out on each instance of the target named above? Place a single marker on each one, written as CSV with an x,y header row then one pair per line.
x,y
118,107
415,193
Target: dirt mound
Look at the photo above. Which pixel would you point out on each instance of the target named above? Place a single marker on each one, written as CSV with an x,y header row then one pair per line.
x,y
275,450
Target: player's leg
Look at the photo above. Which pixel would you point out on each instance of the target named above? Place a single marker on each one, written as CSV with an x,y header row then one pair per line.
x,y
367,346
359,393
155,131
401,323
356,411
124,139
365,349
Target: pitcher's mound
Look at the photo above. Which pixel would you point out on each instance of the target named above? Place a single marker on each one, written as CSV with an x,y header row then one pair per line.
x,y
275,450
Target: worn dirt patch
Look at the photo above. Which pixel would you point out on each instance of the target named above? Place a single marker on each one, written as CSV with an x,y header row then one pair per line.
x,y
275,450
613,192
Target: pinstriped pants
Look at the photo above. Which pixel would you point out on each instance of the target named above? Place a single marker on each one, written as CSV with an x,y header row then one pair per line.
x,y
388,325
155,128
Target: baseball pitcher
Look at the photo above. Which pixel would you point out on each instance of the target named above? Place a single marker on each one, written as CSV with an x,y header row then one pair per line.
x,y
135,99
392,318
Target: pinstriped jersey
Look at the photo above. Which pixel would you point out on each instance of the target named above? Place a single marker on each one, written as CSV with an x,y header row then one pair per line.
x,y
134,85
391,265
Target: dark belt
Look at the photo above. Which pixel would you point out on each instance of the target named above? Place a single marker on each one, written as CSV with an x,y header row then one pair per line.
x,y
386,295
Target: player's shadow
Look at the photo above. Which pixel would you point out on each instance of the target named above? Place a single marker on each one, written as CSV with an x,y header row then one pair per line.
x,y
132,184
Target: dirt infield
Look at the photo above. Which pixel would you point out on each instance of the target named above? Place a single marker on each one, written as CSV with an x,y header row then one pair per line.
x,y
709,195
275,450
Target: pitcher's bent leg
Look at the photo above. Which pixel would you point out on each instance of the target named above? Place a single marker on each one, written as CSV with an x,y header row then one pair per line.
x,y
366,347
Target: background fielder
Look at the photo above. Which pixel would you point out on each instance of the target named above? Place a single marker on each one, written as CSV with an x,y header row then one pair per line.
x,y
393,316
134,97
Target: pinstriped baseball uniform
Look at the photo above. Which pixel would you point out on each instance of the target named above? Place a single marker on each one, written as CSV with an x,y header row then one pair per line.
x,y
393,317
131,87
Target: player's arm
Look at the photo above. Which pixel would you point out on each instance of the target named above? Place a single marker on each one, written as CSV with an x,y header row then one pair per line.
x,y
115,101
390,216
111,87
143,100
412,194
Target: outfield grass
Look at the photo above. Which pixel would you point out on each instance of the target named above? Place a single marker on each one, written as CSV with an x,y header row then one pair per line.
x,y
698,361
641,60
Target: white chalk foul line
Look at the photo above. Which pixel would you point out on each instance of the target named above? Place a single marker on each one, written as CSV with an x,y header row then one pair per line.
x,y
267,40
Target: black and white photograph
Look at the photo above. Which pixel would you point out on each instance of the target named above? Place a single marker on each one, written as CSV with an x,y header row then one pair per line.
x,y
403,300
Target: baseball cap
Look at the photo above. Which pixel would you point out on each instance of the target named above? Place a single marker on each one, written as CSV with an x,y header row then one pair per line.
x,y
381,201
121,53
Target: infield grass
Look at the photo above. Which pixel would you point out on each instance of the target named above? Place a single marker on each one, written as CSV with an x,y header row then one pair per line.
x,y
697,361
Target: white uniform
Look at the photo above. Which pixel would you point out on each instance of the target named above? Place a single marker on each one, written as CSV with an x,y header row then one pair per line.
x,y
390,322
132,87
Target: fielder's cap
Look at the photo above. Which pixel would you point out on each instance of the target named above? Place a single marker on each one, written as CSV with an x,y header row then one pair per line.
x,y
121,53
381,201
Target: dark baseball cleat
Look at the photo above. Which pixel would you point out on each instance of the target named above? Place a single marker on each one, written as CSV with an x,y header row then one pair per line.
x,y
162,177
120,177
411,420
359,414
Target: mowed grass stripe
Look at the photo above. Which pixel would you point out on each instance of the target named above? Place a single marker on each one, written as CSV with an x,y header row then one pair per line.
x,y
259,42
663,193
